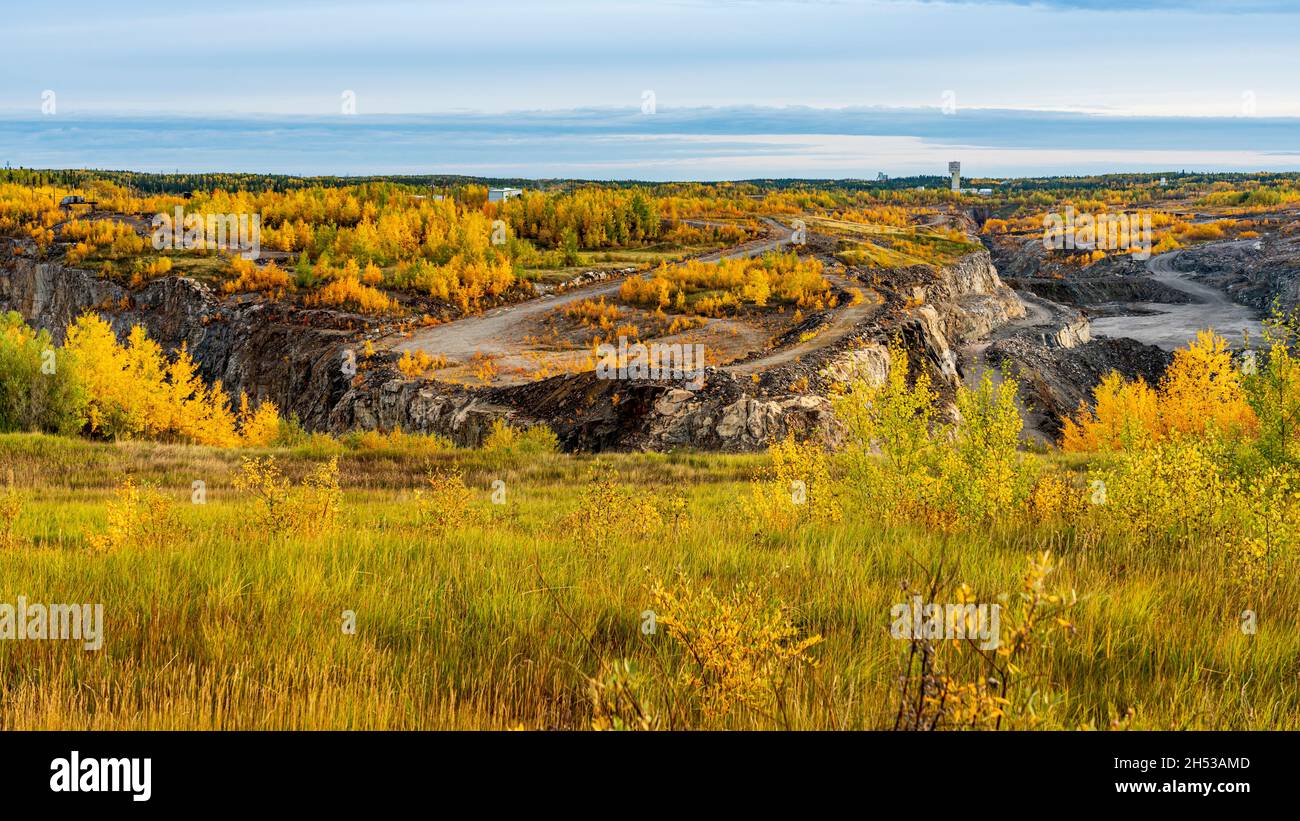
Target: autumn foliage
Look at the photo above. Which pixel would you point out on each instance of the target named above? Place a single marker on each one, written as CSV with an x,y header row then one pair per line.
x,y
119,389
914,464
726,287
1202,392
269,278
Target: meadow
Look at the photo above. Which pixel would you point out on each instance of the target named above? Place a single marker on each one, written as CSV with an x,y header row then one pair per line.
x,y
533,613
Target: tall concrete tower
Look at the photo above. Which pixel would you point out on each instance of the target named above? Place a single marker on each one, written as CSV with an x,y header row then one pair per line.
x,y
954,168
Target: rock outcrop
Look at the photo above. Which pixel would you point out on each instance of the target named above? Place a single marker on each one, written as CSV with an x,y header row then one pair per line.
x,y
298,358
1100,287
292,356
1260,273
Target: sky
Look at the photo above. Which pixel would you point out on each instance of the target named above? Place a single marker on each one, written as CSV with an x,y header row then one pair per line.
x,y
670,89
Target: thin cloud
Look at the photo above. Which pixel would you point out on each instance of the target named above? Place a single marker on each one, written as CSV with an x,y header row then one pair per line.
x,y
1201,6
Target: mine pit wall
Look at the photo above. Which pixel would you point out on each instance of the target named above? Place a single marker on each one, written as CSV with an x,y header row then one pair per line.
x,y
291,357
1025,266
729,414
962,301
1261,278
965,301
586,416
979,300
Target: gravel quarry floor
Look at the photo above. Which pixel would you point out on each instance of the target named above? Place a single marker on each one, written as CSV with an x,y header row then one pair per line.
x,y
1172,326
507,334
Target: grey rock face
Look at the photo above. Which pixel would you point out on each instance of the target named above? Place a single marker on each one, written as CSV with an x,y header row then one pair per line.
x,y
290,356
296,358
1258,273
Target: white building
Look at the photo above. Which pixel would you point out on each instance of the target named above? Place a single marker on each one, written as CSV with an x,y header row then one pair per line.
x,y
503,194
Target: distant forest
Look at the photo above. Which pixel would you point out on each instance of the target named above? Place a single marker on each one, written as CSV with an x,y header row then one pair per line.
x,y
146,183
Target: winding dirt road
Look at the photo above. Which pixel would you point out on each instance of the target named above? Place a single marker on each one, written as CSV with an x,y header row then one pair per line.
x,y
1173,326
502,331
845,320
1039,314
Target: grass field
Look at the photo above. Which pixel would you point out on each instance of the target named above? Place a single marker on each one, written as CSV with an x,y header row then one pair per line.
x,y
513,615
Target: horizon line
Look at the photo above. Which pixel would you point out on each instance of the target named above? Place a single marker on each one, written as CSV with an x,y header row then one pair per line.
x,y
33,112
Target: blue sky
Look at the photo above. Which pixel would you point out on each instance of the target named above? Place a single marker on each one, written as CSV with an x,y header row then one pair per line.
x,y
750,59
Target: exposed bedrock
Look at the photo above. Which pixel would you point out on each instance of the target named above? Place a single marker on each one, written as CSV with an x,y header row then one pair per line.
x,y
1055,381
1115,280
294,356
290,356
1259,273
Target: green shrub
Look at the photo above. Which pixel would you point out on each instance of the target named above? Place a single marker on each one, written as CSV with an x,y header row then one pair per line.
x,y
40,387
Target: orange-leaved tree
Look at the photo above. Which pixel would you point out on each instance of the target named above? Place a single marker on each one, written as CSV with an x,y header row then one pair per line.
x,y
1201,393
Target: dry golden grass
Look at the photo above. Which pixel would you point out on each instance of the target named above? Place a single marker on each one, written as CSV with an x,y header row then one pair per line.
x,y
509,621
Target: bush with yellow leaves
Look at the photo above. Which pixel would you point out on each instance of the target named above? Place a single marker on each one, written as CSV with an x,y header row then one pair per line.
x,y
986,476
1171,493
741,650
1272,385
133,389
416,363
39,387
321,498
966,682
1202,393
892,447
609,511
593,313
139,516
144,270
797,488
912,466
310,509
446,505
349,292
1271,530
674,509
248,276
505,443
1187,493
1054,499
1206,460
263,479
260,426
